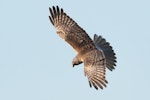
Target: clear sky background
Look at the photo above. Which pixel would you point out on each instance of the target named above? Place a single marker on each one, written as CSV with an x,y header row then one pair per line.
x,y
35,64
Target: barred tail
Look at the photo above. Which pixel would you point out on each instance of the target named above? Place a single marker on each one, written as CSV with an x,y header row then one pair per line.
x,y
108,51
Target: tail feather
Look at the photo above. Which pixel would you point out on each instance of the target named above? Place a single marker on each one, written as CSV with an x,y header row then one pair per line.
x,y
108,51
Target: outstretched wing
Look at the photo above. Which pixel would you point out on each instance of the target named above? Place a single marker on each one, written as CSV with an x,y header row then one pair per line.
x,y
94,68
70,31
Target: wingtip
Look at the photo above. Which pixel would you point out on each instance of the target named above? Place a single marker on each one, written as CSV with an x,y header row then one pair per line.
x,y
90,84
62,10
53,7
57,7
106,81
51,20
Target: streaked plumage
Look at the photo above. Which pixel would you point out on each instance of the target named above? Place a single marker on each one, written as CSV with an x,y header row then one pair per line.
x,y
96,54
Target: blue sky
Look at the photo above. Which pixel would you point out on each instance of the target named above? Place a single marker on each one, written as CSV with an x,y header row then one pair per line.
x,y
35,64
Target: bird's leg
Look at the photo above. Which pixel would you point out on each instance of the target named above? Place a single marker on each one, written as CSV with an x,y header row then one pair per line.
x,y
76,61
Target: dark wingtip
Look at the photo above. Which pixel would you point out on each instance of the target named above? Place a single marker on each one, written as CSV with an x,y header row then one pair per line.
x,y
62,10
51,20
57,9
90,84
106,81
53,7
95,85
53,10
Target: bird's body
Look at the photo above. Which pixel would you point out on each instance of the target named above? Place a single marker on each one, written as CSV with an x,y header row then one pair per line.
x,y
96,54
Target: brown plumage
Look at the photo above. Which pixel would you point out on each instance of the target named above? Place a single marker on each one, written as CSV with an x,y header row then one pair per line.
x,y
96,54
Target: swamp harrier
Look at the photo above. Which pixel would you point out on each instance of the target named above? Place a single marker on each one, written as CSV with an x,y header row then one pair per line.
x,y
96,54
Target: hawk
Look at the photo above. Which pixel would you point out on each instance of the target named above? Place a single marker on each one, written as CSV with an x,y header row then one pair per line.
x,y
96,54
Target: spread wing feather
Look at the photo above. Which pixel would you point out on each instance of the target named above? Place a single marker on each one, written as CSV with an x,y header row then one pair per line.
x,y
94,68
70,31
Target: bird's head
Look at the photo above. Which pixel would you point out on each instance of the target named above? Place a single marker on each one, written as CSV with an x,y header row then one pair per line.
x,y
74,63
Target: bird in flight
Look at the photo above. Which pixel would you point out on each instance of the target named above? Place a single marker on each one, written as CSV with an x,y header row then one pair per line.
x,y
96,54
